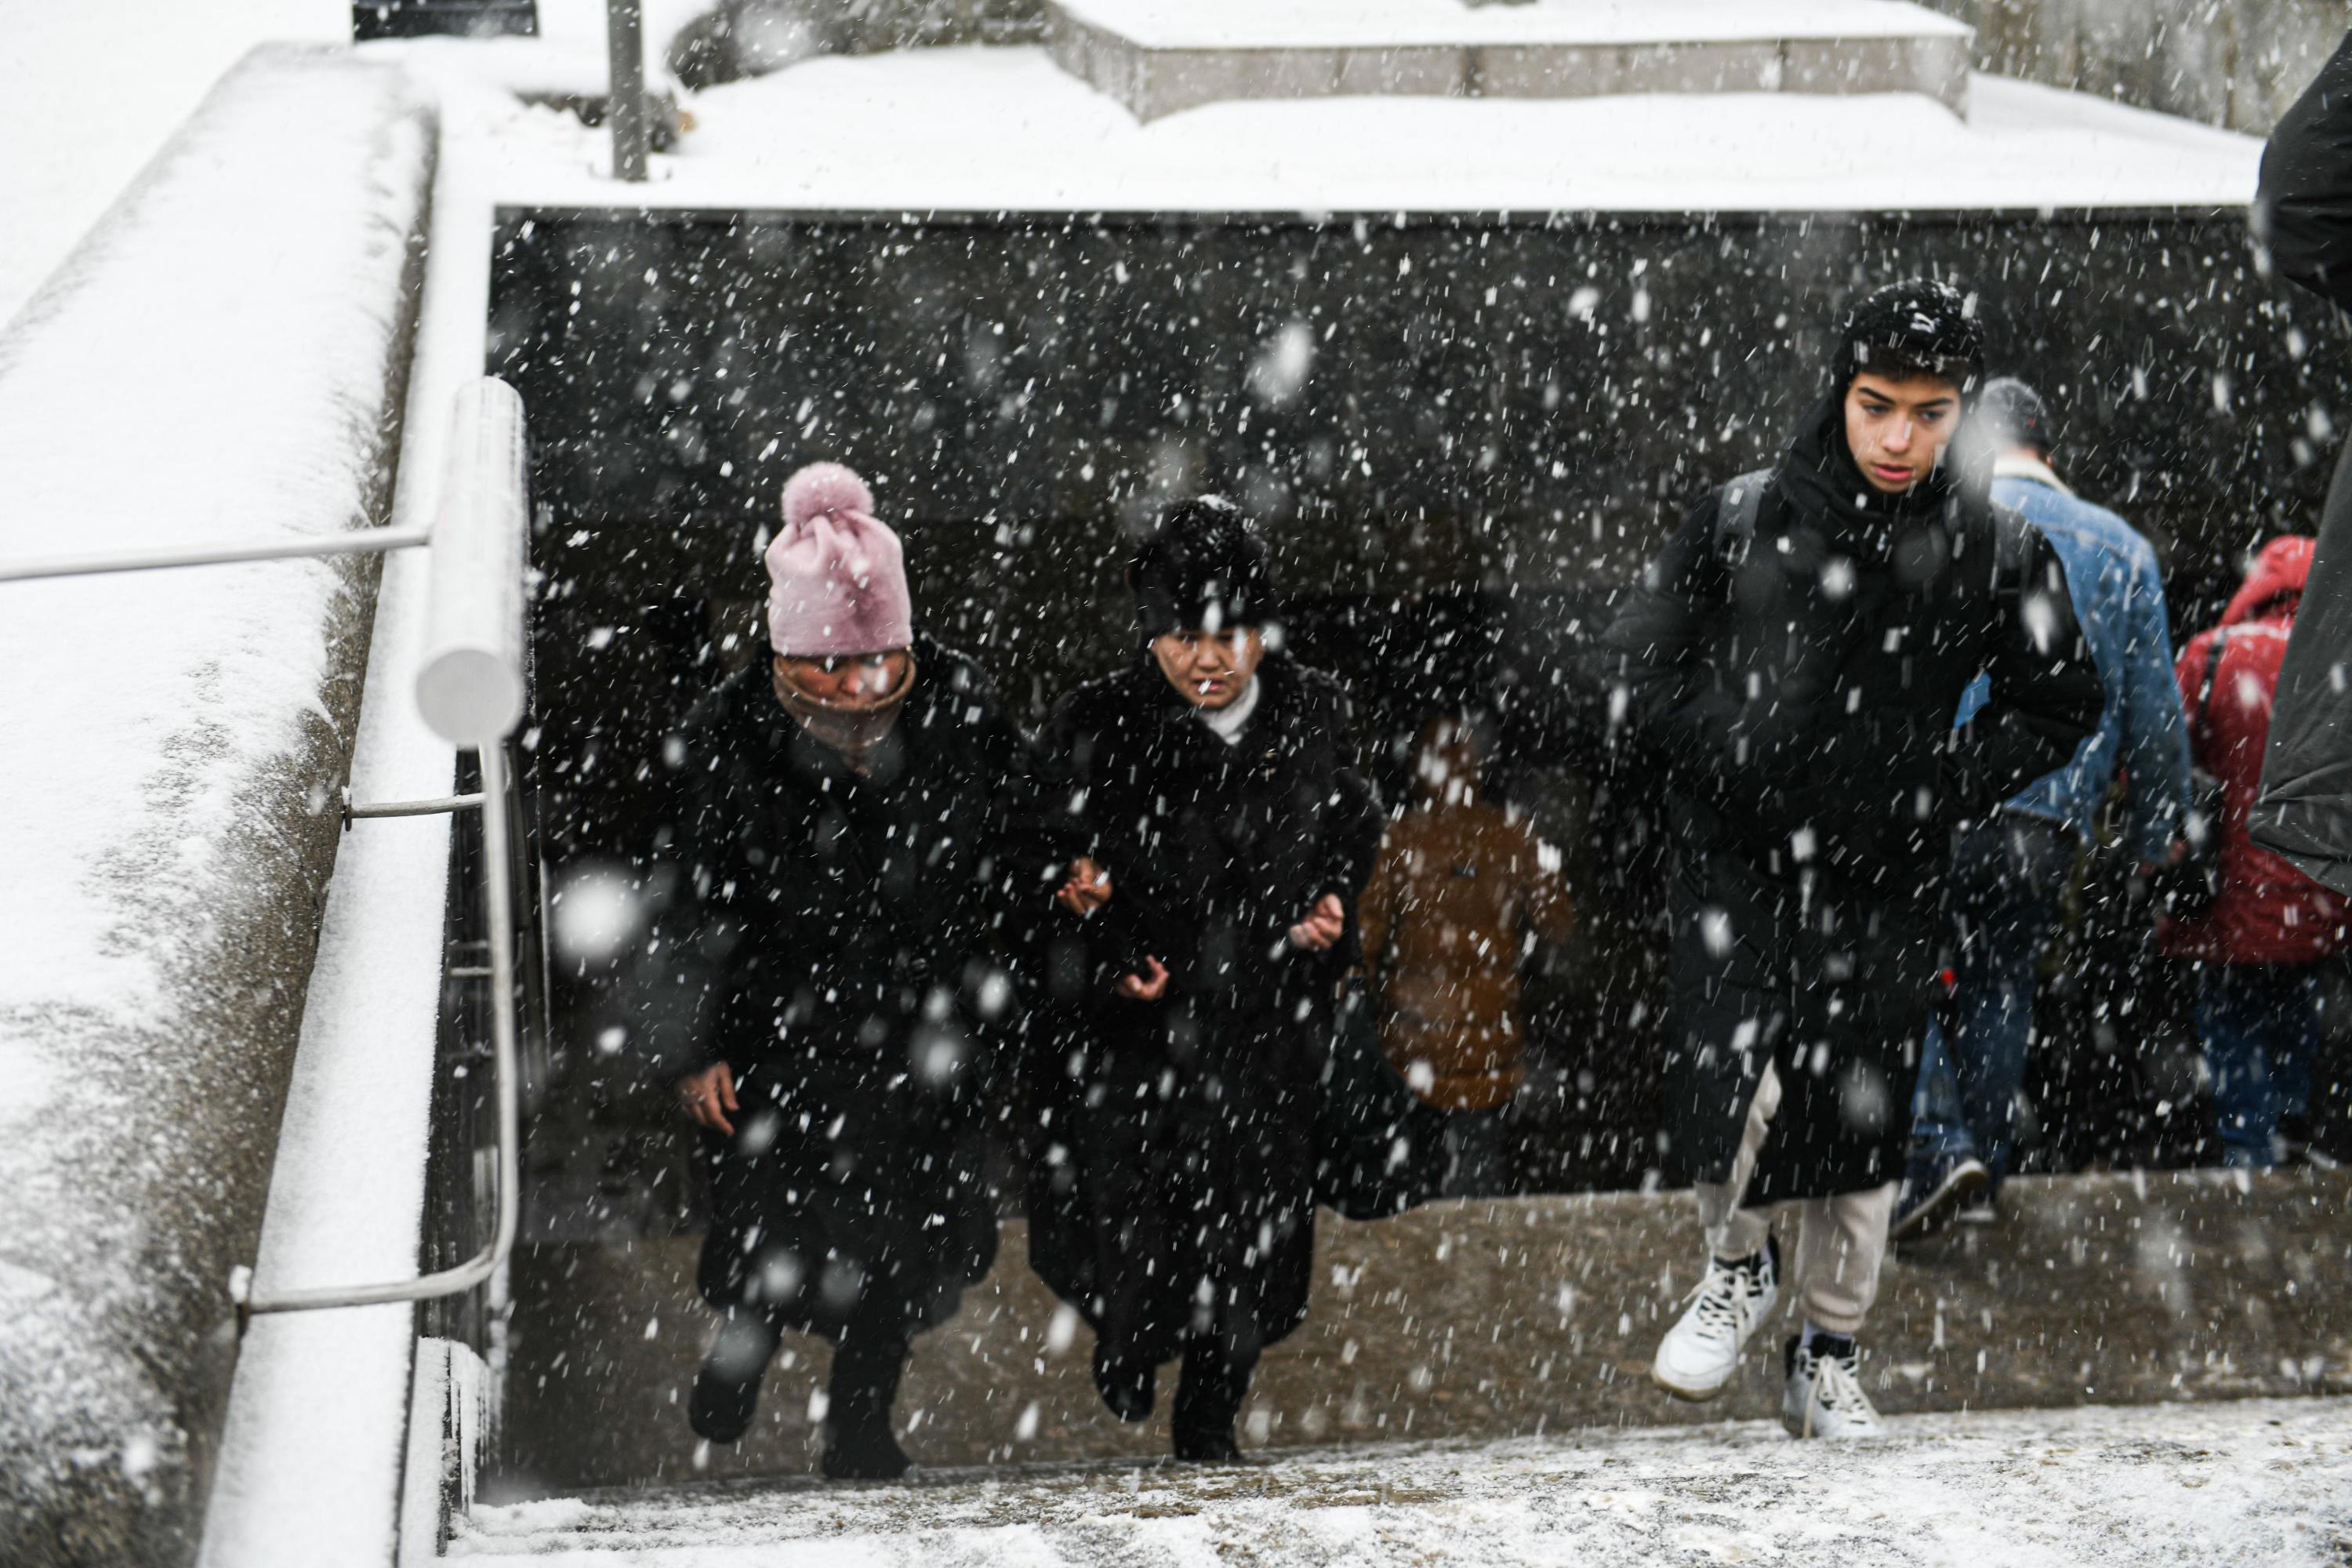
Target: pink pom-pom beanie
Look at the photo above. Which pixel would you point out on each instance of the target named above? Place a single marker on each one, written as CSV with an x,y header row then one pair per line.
x,y
836,575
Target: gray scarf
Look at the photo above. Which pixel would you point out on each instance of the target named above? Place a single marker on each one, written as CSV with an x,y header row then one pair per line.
x,y
852,731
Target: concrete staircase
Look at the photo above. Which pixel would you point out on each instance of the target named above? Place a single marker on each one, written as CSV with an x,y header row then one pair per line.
x,y
1488,1319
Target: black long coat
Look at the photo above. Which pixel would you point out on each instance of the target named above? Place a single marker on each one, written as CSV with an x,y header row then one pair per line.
x,y
847,945
2304,212
1799,686
1174,1190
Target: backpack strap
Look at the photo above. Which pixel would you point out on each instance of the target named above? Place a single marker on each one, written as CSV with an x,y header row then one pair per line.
x,y
2205,687
1735,515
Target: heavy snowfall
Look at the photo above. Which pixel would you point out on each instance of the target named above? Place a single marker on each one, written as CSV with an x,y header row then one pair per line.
x,y
1113,781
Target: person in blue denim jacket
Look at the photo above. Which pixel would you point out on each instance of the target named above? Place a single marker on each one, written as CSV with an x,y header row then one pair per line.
x,y
2008,869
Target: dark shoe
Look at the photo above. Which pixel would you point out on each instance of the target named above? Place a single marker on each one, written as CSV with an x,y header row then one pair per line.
x,y
862,1386
2293,1143
1127,1387
1932,1190
1207,1447
1209,1397
726,1389
866,1453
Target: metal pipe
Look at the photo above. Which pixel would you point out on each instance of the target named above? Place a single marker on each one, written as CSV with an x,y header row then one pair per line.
x,y
470,683
366,542
496,850
413,807
624,46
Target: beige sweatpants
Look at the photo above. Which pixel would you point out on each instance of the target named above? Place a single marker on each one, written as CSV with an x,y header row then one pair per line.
x,y
1840,1241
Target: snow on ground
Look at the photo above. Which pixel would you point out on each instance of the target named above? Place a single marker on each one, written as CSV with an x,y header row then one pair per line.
x,y
981,130
2263,1481
212,362
89,90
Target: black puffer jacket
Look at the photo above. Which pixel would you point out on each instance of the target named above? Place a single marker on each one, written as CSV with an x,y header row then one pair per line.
x,y
847,945
2304,212
1805,678
1178,1138
1798,686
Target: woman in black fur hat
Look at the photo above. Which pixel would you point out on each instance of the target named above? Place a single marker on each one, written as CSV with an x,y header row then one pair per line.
x,y
1218,834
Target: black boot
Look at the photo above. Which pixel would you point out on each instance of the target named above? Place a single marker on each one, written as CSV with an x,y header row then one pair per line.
x,y
1208,1398
1126,1386
727,1388
858,1447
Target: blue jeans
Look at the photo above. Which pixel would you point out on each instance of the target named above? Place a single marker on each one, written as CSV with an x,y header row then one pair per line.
x,y
2007,873
2260,1025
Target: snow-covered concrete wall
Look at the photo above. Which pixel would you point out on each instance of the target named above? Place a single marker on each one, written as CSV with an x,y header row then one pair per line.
x,y
2234,63
224,357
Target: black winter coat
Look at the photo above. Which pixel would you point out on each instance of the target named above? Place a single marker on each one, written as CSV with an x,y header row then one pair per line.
x,y
1799,686
847,945
1174,1190
2304,211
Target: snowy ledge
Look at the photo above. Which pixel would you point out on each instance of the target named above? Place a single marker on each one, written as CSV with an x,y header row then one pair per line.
x,y
222,358
1004,130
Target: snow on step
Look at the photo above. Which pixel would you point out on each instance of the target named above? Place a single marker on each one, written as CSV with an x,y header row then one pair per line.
x,y
2261,1480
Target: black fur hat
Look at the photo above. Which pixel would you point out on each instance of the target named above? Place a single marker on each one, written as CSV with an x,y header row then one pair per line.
x,y
1912,328
1203,569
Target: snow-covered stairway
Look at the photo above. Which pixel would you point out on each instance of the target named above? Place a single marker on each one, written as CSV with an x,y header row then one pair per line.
x,y
2256,1480
1485,1321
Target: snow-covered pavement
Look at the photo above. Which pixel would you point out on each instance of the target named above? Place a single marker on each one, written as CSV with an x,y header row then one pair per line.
x,y
2261,1481
90,91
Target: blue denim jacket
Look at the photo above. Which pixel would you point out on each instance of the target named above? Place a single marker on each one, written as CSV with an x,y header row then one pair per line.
x,y
2119,595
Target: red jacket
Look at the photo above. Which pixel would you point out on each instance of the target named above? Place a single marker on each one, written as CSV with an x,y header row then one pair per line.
x,y
2267,911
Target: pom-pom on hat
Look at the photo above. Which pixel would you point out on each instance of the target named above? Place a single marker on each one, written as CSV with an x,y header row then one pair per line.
x,y
1203,569
836,575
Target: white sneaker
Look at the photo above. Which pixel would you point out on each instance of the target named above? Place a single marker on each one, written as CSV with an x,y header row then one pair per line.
x,y
1825,1397
1701,1352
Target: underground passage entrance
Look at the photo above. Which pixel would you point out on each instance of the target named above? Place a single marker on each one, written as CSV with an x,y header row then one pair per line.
x,y
1461,435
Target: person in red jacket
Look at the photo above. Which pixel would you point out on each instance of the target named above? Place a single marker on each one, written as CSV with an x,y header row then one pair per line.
x,y
2260,941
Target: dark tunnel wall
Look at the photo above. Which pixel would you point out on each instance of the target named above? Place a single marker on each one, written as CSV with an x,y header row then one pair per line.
x,y
1462,432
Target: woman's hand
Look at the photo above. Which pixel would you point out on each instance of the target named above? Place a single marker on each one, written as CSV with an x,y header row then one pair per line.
x,y
1323,925
1087,889
1149,986
708,1096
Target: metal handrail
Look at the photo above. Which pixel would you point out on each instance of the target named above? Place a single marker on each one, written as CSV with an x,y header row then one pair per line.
x,y
471,692
369,542
440,806
504,1027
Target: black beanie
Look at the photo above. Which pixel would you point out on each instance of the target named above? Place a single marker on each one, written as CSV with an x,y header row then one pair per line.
x,y
1904,329
1204,568
2011,413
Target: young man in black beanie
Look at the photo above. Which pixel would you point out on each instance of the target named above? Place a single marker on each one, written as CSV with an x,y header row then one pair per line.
x,y
1793,659
1218,834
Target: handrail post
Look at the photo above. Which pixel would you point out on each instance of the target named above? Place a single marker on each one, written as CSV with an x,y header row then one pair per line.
x,y
624,46
470,690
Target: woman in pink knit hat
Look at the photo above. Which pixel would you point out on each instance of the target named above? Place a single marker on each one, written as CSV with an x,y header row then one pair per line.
x,y
851,878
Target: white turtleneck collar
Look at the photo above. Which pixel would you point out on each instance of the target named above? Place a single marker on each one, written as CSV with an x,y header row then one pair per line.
x,y
2018,465
1229,720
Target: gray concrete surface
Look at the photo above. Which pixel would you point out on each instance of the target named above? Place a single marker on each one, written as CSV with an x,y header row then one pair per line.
x,y
2263,1481
2234,63
1156,82
1491,1319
